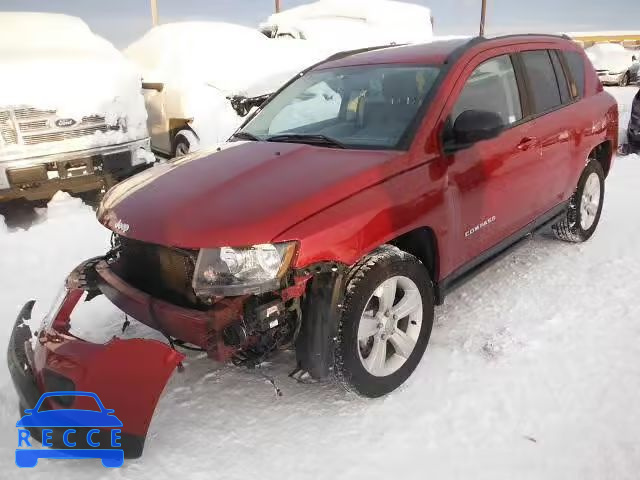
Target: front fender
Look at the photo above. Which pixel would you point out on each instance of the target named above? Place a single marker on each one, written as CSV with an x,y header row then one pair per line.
x,y
348,230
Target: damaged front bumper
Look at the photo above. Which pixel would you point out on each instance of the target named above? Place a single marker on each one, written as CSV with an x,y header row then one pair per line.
x,y
128,375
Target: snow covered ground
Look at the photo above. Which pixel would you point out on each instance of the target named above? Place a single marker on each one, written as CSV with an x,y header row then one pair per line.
x,y
532,372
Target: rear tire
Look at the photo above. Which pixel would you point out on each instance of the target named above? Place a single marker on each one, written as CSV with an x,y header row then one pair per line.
x,y
386,322
585,206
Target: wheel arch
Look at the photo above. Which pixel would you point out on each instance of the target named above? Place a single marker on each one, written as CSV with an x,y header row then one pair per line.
x,y
177,125
422,243
603,154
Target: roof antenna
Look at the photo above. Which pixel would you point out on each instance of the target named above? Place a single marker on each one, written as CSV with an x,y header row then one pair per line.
x,y
483,16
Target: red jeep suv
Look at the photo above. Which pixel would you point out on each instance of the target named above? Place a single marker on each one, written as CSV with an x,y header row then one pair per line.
x,y
335,219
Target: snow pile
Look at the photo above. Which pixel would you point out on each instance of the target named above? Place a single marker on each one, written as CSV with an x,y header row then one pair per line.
x,y
610,56
54,62
355,23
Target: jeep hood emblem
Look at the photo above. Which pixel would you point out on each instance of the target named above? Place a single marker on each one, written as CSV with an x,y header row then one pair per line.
x,y
121,227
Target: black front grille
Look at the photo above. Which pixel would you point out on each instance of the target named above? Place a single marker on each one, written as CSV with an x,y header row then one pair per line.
x,y
160,271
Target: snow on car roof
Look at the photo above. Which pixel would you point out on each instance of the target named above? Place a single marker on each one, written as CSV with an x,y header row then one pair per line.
x,y
229,57
27,22
27,34
356,23
369,11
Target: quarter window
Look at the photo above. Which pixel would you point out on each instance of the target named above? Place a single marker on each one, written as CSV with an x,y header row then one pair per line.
x,y
491,87
542,80
575,62
562,80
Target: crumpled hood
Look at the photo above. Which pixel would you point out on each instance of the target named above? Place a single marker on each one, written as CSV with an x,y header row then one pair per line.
x,y
247,193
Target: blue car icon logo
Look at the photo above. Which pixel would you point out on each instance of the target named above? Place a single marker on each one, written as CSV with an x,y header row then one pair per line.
x,y
69,433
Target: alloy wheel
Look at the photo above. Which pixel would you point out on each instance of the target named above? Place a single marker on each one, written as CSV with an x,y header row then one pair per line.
x,y
390,326
590,201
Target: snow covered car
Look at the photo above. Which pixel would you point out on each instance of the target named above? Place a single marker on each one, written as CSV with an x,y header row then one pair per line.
x,y
615,64
71,114
201,78
353,24
335,231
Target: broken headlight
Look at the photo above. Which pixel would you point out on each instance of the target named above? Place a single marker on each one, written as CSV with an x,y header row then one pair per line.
x,y
229,271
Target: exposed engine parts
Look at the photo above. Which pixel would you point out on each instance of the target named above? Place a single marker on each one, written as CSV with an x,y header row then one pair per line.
x,y
268,325
244,329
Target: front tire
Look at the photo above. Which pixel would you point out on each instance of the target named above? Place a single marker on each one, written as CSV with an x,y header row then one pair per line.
x,y
386,322
585,206
624,81
182,146
185,142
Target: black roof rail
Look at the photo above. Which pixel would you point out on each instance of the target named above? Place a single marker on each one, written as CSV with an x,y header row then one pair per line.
x,y
509,35
348,53
453,56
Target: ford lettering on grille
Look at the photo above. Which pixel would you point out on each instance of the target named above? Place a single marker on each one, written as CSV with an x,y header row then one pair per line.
x,y
65,122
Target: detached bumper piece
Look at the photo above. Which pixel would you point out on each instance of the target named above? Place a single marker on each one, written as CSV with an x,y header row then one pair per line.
x,y
128,375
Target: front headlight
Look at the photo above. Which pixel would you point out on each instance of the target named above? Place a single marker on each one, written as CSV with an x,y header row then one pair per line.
x,y
229,271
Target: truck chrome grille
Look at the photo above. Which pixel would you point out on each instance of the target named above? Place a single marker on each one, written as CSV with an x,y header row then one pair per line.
x,y
26,113
56,136
7,132
35,126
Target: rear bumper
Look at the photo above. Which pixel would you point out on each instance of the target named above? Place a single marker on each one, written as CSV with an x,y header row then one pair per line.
x,y
37,178
128,375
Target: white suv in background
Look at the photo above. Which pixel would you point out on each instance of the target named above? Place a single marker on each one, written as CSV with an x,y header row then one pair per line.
x,y
201,78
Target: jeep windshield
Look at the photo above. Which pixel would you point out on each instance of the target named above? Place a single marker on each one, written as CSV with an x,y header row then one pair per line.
x,y
372,107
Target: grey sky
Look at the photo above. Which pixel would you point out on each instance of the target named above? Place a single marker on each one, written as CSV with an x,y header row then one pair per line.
x,y
122,21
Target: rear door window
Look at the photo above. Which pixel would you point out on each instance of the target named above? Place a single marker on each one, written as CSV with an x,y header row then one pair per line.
x,y
575,62
543,83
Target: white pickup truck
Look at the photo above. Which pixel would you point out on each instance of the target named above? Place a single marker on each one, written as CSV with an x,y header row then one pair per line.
x,y
72,116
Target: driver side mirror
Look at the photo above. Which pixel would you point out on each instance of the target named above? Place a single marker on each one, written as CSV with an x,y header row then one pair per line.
x,y
472,126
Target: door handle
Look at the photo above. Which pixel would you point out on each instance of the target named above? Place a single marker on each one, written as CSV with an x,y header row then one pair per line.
x,y
526,143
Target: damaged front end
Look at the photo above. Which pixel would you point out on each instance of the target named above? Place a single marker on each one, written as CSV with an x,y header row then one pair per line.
x,y
174,292
153,285
127,374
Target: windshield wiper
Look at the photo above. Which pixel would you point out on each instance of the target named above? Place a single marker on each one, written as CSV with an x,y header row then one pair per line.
x,y
306,138
246,136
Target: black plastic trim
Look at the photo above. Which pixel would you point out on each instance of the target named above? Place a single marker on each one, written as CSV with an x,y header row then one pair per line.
x,y
478,264
322,307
